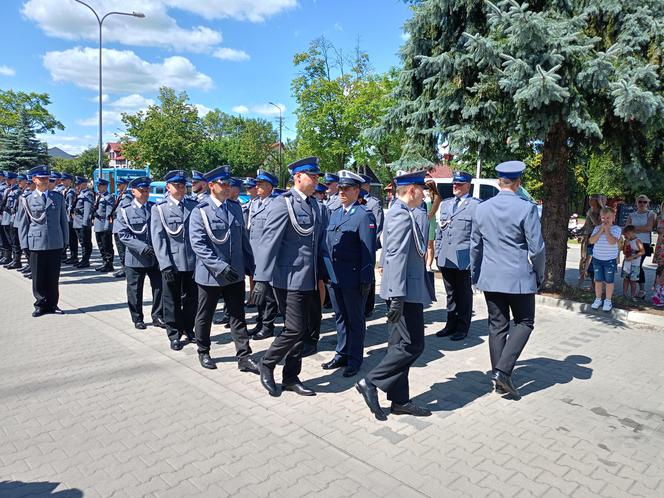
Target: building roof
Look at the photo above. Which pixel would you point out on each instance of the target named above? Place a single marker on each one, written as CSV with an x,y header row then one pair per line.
x,y
115,147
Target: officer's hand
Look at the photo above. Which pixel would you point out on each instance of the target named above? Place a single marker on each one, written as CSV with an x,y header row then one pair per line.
x,y
365,289
396,310
169,275
230,274
148,251
259,293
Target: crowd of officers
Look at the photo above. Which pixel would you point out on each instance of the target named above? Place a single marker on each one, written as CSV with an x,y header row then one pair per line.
x,y
300,248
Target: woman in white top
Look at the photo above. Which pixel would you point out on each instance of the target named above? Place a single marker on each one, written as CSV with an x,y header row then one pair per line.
x,y
643,220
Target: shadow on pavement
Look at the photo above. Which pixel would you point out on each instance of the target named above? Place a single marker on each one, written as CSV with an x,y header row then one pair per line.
x,y
536,374
10,489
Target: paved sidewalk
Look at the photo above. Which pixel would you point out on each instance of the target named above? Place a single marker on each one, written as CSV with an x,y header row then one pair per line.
x,y
92,407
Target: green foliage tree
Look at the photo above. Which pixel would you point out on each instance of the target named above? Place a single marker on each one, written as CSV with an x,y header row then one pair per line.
x,y
243,143
605,177
338,98
33,105
19,149
168,135
573,75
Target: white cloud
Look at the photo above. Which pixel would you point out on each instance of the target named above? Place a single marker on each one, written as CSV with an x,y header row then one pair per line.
x,y
240,109
124,71
112,112
269,109
7,71
74,144
242,10
338,27
231,54
202,109
73,21
104,98
405,36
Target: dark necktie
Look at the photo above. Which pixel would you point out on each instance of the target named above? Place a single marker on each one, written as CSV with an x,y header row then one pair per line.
x,y
44,197
456,204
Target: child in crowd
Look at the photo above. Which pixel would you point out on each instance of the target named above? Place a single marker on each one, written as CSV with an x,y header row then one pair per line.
x,y
633,250
658,291
605,237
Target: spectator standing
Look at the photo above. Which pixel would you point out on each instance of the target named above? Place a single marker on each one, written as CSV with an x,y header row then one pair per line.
x,y
605,238
633,253
644,221
597,202
658,258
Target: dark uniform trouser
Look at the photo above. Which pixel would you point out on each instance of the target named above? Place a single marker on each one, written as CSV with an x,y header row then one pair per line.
x,y
105,245
404,346
268,310
7,240
15,243
180,299
121,248
300,310
348,307
85,238
505,346
5,247
45,277
135,282
73,241
371,300
208,297
459,289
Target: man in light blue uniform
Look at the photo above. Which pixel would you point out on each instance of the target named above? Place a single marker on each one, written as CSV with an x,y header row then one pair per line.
x,y
452,249
268,310
103,226
132,224
199,186
29,188
351,242
9,206
250,189
123,197
331,181
372,204
82,221
507,263
169,223
69,193
291,260
43,230
224,256
404,285
5,247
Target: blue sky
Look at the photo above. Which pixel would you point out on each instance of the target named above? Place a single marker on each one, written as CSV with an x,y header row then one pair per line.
x,y
235,55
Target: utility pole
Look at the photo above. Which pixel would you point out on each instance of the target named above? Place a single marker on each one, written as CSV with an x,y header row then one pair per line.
x,y
281,124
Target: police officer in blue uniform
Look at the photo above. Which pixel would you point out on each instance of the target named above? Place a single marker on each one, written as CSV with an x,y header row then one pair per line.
x,y
5,247
199,186
268,310
452,249
169,223
27,188
82,221
507,262
250,189
291,259
43,230
59,185
404,285
373,204
10,205
70,194
351,242
224,256
103,226
331,181
132,224
123,197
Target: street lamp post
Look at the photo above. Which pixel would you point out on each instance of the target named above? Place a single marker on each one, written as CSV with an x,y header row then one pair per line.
x,y
281,122
100,21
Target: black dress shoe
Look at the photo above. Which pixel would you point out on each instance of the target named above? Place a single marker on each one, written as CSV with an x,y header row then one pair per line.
x,y
267,380
206,361
334,363
74,261
370,395
38,312
106,269
446,332
247,364
309,349
298,388
176,345
57,311
500,390
255,330
25,269
14,266
504,381
28,276
264,333
120,274
410,408
351,371
218,321
99,268
190,336
140,325
459,336
250,305
83,264
158,322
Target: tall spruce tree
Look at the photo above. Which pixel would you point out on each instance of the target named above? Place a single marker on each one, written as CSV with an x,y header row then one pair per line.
x,y
560,76
19,149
